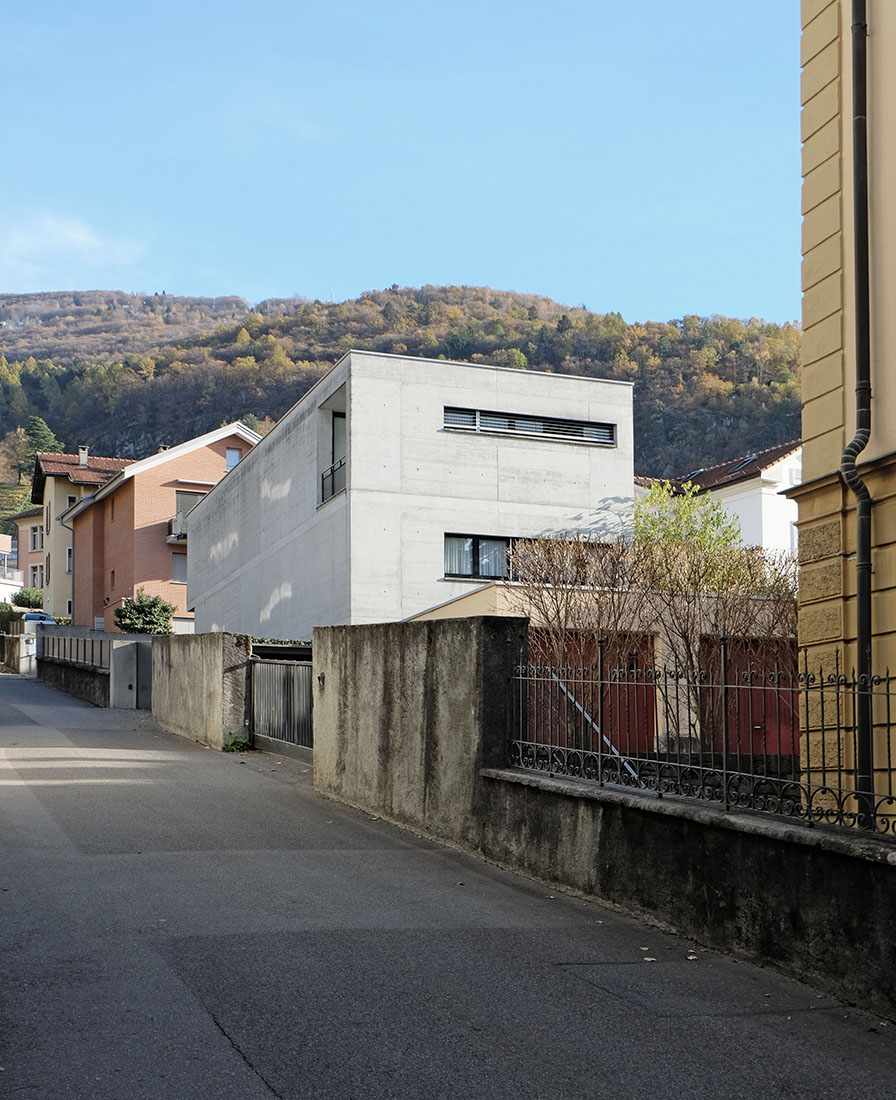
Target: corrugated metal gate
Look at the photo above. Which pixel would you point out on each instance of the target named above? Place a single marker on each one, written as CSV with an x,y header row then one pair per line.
x,y
281,701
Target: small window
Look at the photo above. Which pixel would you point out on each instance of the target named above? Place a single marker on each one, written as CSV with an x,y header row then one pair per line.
x,y
234,454
480,556
179,568
112,580
36,538
68,560
544,427
68,607
186,502
71,501
37,576
111,508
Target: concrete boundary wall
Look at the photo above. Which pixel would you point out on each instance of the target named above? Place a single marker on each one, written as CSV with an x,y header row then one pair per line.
x,y
200,686
410,722
115,686
93,685
18,653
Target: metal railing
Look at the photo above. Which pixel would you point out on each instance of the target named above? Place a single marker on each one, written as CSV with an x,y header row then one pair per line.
x,y
332,481
747,732
89,652
281,701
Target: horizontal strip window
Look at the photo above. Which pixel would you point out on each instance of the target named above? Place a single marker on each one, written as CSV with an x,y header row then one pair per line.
x,y
480,556
544,427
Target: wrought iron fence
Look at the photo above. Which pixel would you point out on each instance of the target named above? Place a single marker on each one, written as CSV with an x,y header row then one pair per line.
x,y
749,730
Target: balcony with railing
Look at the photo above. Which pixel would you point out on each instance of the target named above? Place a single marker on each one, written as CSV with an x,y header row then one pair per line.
x,y
332,480
177,529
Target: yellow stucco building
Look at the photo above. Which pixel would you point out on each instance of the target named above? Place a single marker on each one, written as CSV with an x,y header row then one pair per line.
x,y
847,501
827,508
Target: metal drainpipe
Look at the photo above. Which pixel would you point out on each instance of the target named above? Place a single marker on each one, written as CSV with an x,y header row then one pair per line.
x,y
848,471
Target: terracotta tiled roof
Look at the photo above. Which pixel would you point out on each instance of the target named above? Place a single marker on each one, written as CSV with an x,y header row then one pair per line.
x,y
29,513
97,470
738,469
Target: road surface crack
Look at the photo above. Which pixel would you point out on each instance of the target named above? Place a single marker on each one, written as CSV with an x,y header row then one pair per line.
x,y
248,1061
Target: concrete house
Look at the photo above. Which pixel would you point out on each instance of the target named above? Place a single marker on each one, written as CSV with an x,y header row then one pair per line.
x,y
130,533
398,483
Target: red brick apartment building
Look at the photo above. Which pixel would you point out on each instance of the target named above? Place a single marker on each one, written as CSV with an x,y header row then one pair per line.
x,y
130,533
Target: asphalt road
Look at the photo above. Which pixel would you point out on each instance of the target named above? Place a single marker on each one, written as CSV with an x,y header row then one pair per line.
x,y
177,923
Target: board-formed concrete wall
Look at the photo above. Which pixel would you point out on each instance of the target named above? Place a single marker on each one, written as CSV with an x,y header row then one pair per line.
x,y
410,724
199,686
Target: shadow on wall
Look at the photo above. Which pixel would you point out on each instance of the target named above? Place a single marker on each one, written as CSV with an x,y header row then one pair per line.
x,y
275,490
278,595
221,549
614,518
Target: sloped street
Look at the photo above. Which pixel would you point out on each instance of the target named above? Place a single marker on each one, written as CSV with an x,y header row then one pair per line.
x,y
179,924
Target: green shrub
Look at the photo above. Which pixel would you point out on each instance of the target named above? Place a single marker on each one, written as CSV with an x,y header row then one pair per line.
x,y
142,614
29,597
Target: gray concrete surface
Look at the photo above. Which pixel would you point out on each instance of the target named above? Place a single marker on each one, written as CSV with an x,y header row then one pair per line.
x,y
178,924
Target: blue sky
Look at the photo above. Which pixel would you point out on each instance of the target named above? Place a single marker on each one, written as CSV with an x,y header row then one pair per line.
x,y
640,157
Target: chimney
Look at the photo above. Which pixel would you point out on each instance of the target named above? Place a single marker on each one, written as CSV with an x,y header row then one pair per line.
x,y
82,455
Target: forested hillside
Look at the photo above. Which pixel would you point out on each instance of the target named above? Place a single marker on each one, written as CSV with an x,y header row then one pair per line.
x,y
125,373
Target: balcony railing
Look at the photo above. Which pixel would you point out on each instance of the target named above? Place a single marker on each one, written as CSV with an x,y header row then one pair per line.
x,y
177,527
332,481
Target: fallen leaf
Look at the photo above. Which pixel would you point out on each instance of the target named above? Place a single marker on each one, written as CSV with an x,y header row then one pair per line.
x,y
648,959
693,956
645,948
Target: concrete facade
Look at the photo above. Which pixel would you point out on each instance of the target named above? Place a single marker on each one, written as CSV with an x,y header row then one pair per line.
x,y
274,555
826,508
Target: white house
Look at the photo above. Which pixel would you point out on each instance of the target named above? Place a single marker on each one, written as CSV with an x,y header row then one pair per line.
x,y
396,484
752,488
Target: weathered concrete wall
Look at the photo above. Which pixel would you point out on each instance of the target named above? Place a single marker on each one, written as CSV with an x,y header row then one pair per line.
x,y
89,684
410,723
410,712
199,686
18,653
